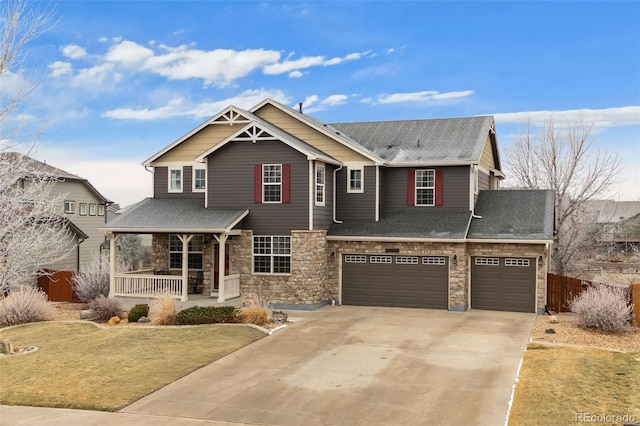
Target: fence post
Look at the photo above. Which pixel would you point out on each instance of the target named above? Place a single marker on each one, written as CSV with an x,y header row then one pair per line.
x,y
635,299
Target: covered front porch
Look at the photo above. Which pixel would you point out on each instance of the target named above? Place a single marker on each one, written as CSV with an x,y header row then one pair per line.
x,y
190,250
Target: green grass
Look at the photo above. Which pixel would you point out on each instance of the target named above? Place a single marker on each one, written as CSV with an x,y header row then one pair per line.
x,y
85,367
556,383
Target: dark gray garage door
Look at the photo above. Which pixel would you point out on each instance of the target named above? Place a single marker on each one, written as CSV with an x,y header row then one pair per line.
x,y
503,284
399,281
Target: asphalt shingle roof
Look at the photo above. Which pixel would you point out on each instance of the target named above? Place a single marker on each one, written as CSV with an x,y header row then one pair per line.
x,y
434,140
618,211
408,224
514,215
174,215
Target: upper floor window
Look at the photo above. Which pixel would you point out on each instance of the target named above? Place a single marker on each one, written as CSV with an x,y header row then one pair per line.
x,y
69,206
272,183
83,209
175,180
100,209
199,179
355,183
92,209
195,252
425,187
272,255
320,184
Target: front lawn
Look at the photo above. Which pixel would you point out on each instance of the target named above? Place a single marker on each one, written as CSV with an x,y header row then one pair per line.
x,y
82,366
561,385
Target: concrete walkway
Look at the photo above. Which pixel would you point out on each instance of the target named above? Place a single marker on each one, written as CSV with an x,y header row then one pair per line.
x,y
342,366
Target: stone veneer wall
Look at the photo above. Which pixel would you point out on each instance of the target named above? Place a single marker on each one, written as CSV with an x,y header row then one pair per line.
x,y
307,283
458,272
518,250
160,253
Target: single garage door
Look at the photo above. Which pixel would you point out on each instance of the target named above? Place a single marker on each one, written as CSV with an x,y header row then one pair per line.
x,y
398,281
503,284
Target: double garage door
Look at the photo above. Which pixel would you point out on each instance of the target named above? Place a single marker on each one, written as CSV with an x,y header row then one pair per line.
x,y
497,283
399,281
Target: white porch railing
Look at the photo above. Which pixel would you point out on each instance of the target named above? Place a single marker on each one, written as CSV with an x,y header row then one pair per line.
x,y
230,287
133,284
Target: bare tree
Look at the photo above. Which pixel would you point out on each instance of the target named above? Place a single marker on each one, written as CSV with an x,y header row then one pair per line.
x,y
21,22
33,233
567,160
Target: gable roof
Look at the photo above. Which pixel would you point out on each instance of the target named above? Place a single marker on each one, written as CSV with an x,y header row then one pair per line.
x,y
618,211
327,129
175,215
310,151
439,141
513,215
408,225
49,170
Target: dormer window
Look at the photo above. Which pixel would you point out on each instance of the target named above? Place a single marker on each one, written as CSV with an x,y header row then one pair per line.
x,y
175,179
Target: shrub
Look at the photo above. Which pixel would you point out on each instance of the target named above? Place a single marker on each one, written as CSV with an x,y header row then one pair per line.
x,y
163,310
206,315
603,307
23,305
137,312
105,308
93,279
254,309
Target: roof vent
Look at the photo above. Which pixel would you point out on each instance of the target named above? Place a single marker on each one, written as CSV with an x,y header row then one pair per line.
x,y
300,107
337,133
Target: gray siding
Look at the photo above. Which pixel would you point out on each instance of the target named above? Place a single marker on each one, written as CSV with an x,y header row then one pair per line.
x,y
161,184
483,181
231,184
323,215
356,206
393,196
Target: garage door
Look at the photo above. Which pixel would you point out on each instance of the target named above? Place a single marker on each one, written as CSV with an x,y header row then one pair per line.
x,y
399,281
503,284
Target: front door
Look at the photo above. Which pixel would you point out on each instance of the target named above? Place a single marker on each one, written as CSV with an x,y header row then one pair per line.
x,y
214,260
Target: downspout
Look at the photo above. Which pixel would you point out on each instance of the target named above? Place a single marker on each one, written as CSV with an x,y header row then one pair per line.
x,y
80,241
335,186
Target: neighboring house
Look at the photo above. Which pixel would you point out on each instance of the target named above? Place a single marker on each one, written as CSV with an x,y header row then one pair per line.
x,y
85,209
393,213
619,223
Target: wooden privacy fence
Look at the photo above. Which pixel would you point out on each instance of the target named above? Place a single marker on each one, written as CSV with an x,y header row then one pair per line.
x,y
57,286
561,291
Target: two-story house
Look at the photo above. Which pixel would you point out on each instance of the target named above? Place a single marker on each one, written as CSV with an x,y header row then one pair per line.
x,y
392,213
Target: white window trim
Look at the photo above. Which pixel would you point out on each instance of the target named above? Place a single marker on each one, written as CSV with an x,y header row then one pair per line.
x,y
271,255
323,185
92,209
193,179
271,184
82,209
349,170
101,209
188,253
425,187
72,206
181,170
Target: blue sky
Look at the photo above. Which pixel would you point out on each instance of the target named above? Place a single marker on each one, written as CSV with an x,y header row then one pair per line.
x,y
124,79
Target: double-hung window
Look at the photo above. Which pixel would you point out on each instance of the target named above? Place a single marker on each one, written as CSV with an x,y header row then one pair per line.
x,y
320,183
199,179
425,187
354,183
175,179
92,209
69,206
195,255
272,183
272,255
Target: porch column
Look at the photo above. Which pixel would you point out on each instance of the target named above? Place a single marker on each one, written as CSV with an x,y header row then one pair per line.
x,y
112,264
222,242
185,265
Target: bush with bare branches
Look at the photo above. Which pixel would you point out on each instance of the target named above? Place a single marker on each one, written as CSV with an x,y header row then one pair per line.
x,y
23,305
105,308
93,279
603,307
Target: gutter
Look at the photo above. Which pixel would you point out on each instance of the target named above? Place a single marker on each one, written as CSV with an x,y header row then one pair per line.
x,y
335,172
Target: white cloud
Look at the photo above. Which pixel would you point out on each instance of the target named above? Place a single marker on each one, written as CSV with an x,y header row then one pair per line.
x,y
128,52
606,117
59,68
309,61
96,76
11,84
313,103
295,74
178,107
335,100
310,100
427,96
391,50
73,51
103,39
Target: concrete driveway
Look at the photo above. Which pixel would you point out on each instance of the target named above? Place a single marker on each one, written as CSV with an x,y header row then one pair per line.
x,y
357,365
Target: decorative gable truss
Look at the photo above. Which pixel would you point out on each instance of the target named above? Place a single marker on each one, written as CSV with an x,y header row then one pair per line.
x,y
230,116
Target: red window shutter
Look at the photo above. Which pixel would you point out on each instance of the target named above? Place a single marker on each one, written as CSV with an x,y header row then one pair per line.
x,y
411,187
286,183
439,186
257,184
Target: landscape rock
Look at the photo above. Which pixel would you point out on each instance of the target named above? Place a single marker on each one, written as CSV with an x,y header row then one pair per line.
x,y
279,316
553,319
143,319
86,314
114,320
550,331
